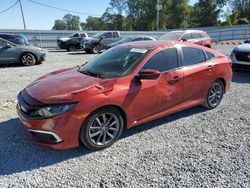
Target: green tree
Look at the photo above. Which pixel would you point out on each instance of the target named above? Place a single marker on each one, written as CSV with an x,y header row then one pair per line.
x,y
241,7
92,23
204,13
59,25
178,14
72,22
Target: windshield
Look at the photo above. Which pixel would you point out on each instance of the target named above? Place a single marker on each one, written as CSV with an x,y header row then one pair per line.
x,y
116,62
22,40
171,36
125,39
98,35
73,35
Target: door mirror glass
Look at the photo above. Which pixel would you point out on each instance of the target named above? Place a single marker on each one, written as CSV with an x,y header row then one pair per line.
x,y
148,74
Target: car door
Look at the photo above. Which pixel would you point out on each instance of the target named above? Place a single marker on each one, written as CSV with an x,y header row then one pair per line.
x,y
197,38
108,38
8,54
198,73
154,96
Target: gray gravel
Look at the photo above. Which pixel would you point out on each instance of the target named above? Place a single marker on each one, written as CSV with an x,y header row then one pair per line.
x,y
192,148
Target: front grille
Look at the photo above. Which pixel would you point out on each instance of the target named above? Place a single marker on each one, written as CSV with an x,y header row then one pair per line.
x,y
243,56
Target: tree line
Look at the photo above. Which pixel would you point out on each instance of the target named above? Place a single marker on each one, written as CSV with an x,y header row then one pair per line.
x,y
140,15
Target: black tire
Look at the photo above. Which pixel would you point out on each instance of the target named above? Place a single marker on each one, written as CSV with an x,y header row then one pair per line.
x,y
96,48
88,51
97,135
28,59
215,94
71,48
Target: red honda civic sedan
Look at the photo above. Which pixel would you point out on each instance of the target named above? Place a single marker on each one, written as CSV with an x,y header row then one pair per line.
x,y
125,86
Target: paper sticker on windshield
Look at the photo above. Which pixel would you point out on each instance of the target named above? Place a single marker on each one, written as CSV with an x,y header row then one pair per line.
x,y
138,50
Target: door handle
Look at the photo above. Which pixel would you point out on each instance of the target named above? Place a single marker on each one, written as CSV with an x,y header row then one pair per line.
x,y
209,67
174,79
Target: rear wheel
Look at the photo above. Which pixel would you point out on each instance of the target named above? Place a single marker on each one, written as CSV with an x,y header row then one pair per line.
x,y
28,59
102,128
214,95
96,48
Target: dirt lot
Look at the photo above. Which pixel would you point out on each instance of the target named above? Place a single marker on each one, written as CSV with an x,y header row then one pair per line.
x,y
193,148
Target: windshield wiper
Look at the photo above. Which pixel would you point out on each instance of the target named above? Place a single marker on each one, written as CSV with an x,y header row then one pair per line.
x,y
94,74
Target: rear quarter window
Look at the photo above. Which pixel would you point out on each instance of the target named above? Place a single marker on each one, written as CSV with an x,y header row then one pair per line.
x,y
193,56
209,55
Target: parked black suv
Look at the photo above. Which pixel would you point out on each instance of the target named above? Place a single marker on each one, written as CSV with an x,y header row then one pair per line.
x,y
72,42
15,38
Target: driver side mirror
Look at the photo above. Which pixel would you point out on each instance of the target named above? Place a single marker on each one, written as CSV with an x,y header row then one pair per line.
x,y
148,74
7,45
184,40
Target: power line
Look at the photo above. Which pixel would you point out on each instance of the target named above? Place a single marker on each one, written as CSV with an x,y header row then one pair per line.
x,y
9,7
61,9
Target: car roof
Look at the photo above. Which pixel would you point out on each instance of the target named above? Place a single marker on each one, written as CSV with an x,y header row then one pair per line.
x,y
10,34
190,31
153,45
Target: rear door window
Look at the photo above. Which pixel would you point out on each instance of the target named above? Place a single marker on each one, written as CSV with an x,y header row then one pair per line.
x,y
193,56
82,35
187,36
108,35
162,61
115,35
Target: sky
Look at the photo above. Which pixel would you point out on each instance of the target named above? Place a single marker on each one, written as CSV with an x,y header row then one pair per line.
x,y
42,18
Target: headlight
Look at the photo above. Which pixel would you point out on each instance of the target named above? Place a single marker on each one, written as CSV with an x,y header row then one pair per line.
x,y
53,110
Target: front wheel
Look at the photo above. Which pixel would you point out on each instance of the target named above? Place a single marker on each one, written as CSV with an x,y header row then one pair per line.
x,y
102,128
28,59
96,48
214,95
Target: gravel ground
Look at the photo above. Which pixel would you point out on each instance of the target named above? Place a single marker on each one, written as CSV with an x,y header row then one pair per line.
x,y
192,148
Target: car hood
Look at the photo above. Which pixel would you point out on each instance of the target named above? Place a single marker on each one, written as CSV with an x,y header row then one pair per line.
x,y
29,47
65,39
242,48
67,85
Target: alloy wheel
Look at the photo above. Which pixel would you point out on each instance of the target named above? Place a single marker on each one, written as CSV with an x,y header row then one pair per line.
x,y
215,94
28,59
96,49
104,129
